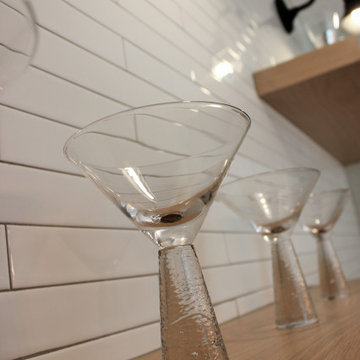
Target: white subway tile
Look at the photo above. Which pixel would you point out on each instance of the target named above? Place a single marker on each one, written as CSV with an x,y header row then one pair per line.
x,y
123,23
122,346
149,15
199,14
208,8
308,263
31,140
54,199
4,268
254,301
303,243
43,94
232,281
243,167
210,41
66,255
168,8
211,249
343,240
247,247
225,311
221,218
257,151
149,68
64,59
62,19
47,318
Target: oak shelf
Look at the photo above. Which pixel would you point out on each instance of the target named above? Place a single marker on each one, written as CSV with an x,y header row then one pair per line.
x,y
320,93
336,336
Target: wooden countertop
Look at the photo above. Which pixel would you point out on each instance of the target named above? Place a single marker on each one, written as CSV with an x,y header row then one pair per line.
x,y
335,337
319,93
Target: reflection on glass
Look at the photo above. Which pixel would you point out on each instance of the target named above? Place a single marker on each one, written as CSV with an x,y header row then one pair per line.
x,y
161,165
272,202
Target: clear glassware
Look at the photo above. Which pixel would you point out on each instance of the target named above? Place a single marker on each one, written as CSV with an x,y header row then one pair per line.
x,y
320,215
272,202
161,165
18,39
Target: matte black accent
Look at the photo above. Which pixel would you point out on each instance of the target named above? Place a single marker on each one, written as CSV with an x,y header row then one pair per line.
x,y
287,16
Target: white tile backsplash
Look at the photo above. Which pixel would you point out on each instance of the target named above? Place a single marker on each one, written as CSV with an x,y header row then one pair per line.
x,y
79,29
46,95
229,282
123,346
45,197
83,281
185,89
247,247
69,255
56,316
226,311
33,141
211,249
254,301
105,78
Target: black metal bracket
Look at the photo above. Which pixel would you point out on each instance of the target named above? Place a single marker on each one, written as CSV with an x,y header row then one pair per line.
x,y
287,16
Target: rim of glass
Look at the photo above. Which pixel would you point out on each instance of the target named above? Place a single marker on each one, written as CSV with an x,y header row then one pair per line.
x,y
271,172
165,104
344,190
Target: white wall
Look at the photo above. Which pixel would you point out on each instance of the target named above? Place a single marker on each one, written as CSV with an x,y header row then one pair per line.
x,y
77,280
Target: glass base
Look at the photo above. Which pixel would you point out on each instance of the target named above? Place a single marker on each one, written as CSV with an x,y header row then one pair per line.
x,y
329,298
296,324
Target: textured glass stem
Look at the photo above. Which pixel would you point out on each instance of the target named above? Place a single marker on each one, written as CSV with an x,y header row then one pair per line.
x,y
332,281
293,304
189,329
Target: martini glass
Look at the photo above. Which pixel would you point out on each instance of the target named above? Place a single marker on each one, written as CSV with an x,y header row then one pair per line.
x,y
319,217
17,39
272,202
161,165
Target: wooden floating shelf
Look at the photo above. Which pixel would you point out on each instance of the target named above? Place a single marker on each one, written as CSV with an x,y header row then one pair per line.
x,y
319,92
336,336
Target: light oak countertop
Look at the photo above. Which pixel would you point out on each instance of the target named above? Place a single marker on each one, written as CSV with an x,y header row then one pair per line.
x,y
335,337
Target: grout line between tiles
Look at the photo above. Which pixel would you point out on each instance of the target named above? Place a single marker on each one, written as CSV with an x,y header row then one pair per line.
x,y
39,116
230,37
75,283
44,352
125,54
125,69
134,229
40,168
199,43
9,259
167,40
79,85
84,282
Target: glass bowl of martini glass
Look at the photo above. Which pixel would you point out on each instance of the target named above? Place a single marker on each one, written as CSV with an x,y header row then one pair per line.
x,y
161,165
